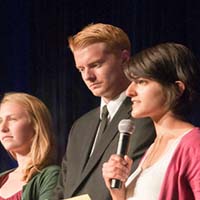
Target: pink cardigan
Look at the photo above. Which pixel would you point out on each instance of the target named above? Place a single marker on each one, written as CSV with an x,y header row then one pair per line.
x,y
182,179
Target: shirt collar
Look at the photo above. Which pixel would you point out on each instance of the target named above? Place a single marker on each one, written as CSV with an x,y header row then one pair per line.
x,y
113,105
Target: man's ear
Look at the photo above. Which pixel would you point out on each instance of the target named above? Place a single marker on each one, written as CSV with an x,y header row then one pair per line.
x,y
181,86
125,55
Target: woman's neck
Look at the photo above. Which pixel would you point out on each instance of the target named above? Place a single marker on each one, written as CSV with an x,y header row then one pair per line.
x,y
171,125
22,161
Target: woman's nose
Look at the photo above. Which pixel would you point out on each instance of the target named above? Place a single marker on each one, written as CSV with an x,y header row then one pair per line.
x,y
130,91
4,126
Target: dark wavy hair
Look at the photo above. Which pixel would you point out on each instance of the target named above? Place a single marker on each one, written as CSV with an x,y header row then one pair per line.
x,y
167,63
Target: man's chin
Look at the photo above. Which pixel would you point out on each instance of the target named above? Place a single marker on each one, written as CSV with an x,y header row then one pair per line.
x,y
96,93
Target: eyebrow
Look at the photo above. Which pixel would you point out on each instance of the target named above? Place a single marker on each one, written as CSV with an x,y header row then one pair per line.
x,y
99,60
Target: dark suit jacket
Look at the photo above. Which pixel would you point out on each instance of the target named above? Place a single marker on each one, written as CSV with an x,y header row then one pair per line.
x,y
83,175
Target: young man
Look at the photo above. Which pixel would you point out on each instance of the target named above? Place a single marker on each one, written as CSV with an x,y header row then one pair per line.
x,y
100,51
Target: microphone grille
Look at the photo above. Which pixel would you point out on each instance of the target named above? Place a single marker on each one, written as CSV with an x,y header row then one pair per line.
x,y
126,126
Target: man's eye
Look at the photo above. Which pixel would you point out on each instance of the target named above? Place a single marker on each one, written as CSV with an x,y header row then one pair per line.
x,y
96,65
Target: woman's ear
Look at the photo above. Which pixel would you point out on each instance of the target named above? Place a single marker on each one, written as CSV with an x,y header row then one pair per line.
x,y
181,86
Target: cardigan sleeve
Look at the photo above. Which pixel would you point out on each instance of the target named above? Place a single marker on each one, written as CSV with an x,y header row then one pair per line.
x,y
41,185
182,179
47,183
193,172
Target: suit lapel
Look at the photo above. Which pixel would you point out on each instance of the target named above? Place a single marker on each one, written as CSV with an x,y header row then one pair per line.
x,y
108,136
89,140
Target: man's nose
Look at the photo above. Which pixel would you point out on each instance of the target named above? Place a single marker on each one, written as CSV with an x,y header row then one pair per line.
x,y
89,74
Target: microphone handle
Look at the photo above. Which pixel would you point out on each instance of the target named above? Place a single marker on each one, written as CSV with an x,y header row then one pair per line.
x,y
122,150
115,184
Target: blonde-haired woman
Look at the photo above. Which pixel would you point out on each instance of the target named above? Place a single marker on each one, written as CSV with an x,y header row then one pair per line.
x,y
26,133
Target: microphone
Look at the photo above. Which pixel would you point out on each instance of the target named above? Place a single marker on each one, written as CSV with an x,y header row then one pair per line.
x,y
126,128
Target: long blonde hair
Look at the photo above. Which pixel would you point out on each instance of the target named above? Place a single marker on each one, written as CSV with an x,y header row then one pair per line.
x,y
42,150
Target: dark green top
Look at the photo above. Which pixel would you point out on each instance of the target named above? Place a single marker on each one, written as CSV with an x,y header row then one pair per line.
x,y
40,187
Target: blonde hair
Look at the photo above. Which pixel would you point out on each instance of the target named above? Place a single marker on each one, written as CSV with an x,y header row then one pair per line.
x,y
114,37
42,150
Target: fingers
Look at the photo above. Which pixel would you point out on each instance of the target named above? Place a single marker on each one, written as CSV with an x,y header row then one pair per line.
x,y
117,168
129,162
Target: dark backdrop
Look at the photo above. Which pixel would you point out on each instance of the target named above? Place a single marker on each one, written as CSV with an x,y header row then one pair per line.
x,y
35,57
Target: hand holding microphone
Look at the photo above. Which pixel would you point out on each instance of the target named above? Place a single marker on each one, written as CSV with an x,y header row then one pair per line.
x,y
126,128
